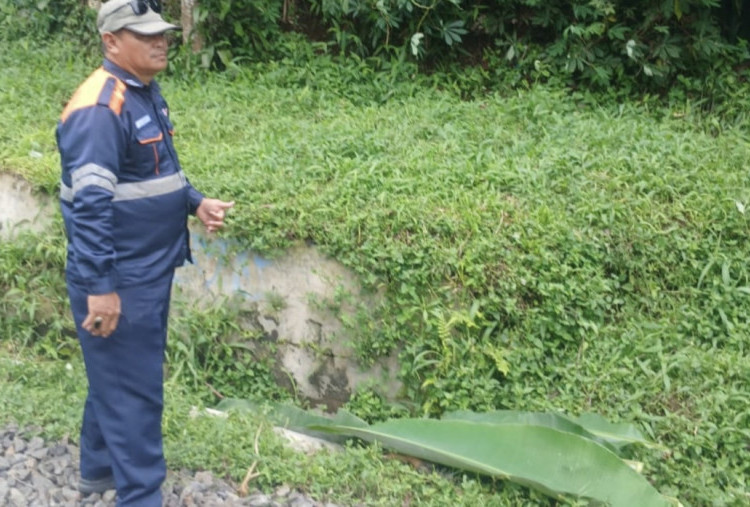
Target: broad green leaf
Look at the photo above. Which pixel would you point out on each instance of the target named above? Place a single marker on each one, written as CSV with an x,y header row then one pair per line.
x,y
549,420
551,461
617,434
294,417
290,416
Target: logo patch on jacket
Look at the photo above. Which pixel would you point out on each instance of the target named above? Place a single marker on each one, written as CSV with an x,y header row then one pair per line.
x,y
143,120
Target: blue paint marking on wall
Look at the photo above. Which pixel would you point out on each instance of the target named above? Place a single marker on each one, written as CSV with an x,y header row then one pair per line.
x,y
236,266
239,270
261,263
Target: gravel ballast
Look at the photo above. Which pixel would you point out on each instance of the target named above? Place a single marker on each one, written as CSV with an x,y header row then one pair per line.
x,y
36,473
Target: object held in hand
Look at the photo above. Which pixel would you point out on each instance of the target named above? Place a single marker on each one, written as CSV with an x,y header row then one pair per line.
x,y
97,323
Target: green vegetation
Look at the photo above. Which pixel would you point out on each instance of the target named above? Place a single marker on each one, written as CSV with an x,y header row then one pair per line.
x,y
550,453
636,46
642,44
539,250
49,394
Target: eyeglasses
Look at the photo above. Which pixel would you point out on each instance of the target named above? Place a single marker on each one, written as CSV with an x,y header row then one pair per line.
x,y
140,7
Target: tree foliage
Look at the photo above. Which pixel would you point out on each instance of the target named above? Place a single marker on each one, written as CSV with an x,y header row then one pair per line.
x,y
599,43
591,42
43,19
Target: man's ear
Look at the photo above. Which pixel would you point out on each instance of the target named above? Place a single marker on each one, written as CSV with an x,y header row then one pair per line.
x,y
109,40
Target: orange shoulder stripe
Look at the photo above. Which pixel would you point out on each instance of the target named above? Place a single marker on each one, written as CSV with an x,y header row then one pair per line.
x,y
90,90
118,97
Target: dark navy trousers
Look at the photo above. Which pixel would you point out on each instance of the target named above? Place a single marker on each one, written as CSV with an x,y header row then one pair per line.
x,y
121,432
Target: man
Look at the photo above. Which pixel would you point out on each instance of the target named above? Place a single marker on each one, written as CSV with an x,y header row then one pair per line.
x,y
125,203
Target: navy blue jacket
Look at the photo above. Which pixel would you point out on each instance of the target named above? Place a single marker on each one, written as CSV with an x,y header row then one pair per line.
x,y
125,200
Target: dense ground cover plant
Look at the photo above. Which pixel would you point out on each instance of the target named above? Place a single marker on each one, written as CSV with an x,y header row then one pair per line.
x,y
538,250
34,296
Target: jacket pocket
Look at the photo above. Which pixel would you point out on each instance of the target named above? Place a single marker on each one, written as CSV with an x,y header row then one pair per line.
x,y
150,139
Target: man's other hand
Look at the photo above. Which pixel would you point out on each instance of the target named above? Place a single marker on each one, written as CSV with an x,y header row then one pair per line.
x,y
104,312
212,212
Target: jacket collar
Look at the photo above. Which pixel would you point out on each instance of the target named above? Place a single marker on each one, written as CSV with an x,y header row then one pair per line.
x,y
124,75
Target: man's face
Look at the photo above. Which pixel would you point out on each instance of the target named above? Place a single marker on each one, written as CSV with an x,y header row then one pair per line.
x,y
142,55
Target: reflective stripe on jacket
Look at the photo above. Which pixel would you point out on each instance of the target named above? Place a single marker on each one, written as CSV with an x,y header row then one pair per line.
x,y
124,197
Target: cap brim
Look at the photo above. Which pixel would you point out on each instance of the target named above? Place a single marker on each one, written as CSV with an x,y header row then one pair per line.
x,y
152,28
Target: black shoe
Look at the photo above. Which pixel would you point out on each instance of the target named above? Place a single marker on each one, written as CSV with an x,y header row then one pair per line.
x,y
87,486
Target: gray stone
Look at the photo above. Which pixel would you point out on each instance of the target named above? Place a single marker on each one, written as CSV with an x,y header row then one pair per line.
x,y
92,498
14,458
283,490
40,482
26,490
39,454
36,443
16,498
260,500
3,491
57,496
70,494
171,500
19,445
58,450
204,478
20,474
298,500
231,497
59,465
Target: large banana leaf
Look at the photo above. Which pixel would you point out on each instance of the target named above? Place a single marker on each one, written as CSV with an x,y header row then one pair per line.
x,y
549,460
293,417
613,436
290,415
617,434
552,453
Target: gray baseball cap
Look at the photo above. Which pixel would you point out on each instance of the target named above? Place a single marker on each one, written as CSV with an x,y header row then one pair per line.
x,y
117,14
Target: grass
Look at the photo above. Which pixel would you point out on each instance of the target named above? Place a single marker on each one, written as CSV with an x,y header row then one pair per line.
x,y
48,395
545,250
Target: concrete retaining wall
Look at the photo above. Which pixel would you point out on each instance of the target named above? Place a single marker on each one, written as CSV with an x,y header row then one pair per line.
x,y
287,295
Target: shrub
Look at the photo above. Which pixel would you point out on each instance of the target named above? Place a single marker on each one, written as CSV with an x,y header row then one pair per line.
x,y
45,19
